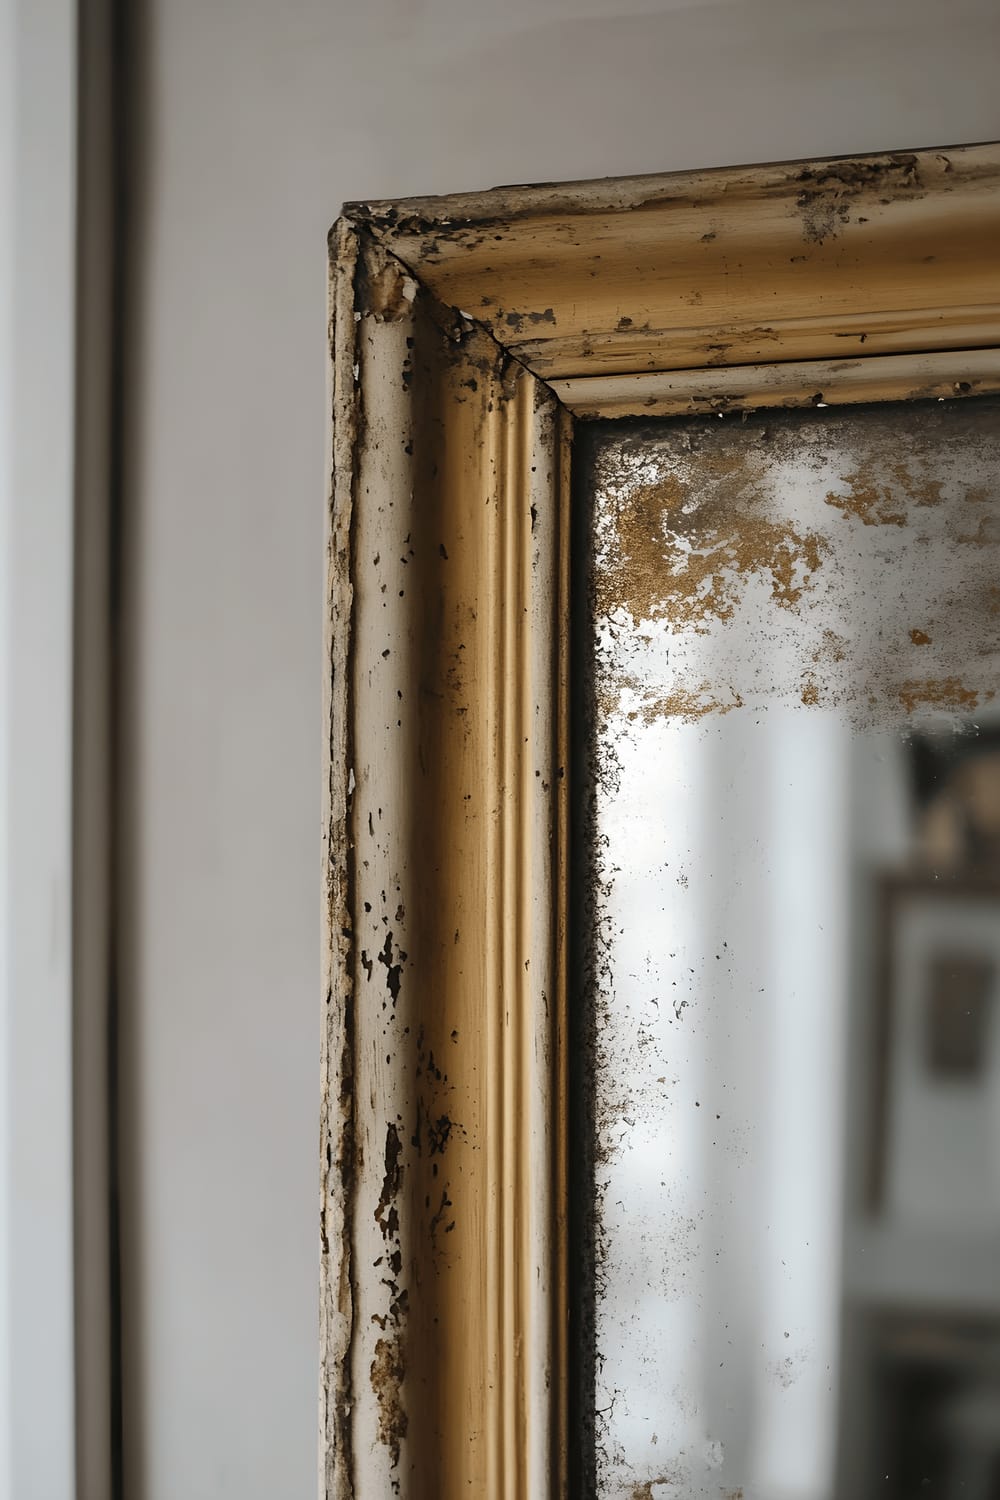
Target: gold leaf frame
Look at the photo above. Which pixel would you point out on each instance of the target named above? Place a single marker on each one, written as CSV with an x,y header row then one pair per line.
x,y
469,333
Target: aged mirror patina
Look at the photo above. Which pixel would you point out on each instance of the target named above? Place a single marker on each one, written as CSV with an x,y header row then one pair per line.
x,y
790,925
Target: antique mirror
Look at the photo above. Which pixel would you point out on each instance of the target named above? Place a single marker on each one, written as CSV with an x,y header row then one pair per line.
x,y
662,1128
791,947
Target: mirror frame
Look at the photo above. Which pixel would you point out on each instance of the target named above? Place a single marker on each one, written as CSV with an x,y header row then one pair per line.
x,y
468,334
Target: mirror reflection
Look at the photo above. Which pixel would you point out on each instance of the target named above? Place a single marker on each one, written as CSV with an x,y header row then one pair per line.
x,y
792,953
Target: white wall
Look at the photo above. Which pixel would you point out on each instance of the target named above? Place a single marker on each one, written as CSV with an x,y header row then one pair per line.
x,y
37,265
261,119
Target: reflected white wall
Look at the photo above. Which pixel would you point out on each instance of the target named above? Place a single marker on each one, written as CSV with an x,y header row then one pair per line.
x,y
723,1101
807,1101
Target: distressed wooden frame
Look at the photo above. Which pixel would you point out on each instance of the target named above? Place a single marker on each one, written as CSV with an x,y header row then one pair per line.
x,y
468,334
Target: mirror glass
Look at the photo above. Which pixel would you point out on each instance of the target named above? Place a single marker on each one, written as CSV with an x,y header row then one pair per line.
x,y
789,962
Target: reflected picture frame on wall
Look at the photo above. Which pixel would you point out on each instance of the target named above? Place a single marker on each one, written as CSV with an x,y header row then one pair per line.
x,y
935,1156
469,336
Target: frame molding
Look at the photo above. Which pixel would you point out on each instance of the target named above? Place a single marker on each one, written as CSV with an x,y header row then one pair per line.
x,y
468,333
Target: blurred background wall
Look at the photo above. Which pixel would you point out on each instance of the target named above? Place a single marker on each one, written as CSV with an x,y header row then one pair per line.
x,y
38,98
251,123
257,121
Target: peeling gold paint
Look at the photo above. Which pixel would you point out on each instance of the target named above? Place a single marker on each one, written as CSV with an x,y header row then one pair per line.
x,y
389,292
644,1491
676,1474
833,648
830,192
686,704
941,692
387,1383
681,553
696,516
881,494
873,504
986,534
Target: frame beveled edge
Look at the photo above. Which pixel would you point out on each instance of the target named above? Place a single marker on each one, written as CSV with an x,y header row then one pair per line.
x,y
445,1185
